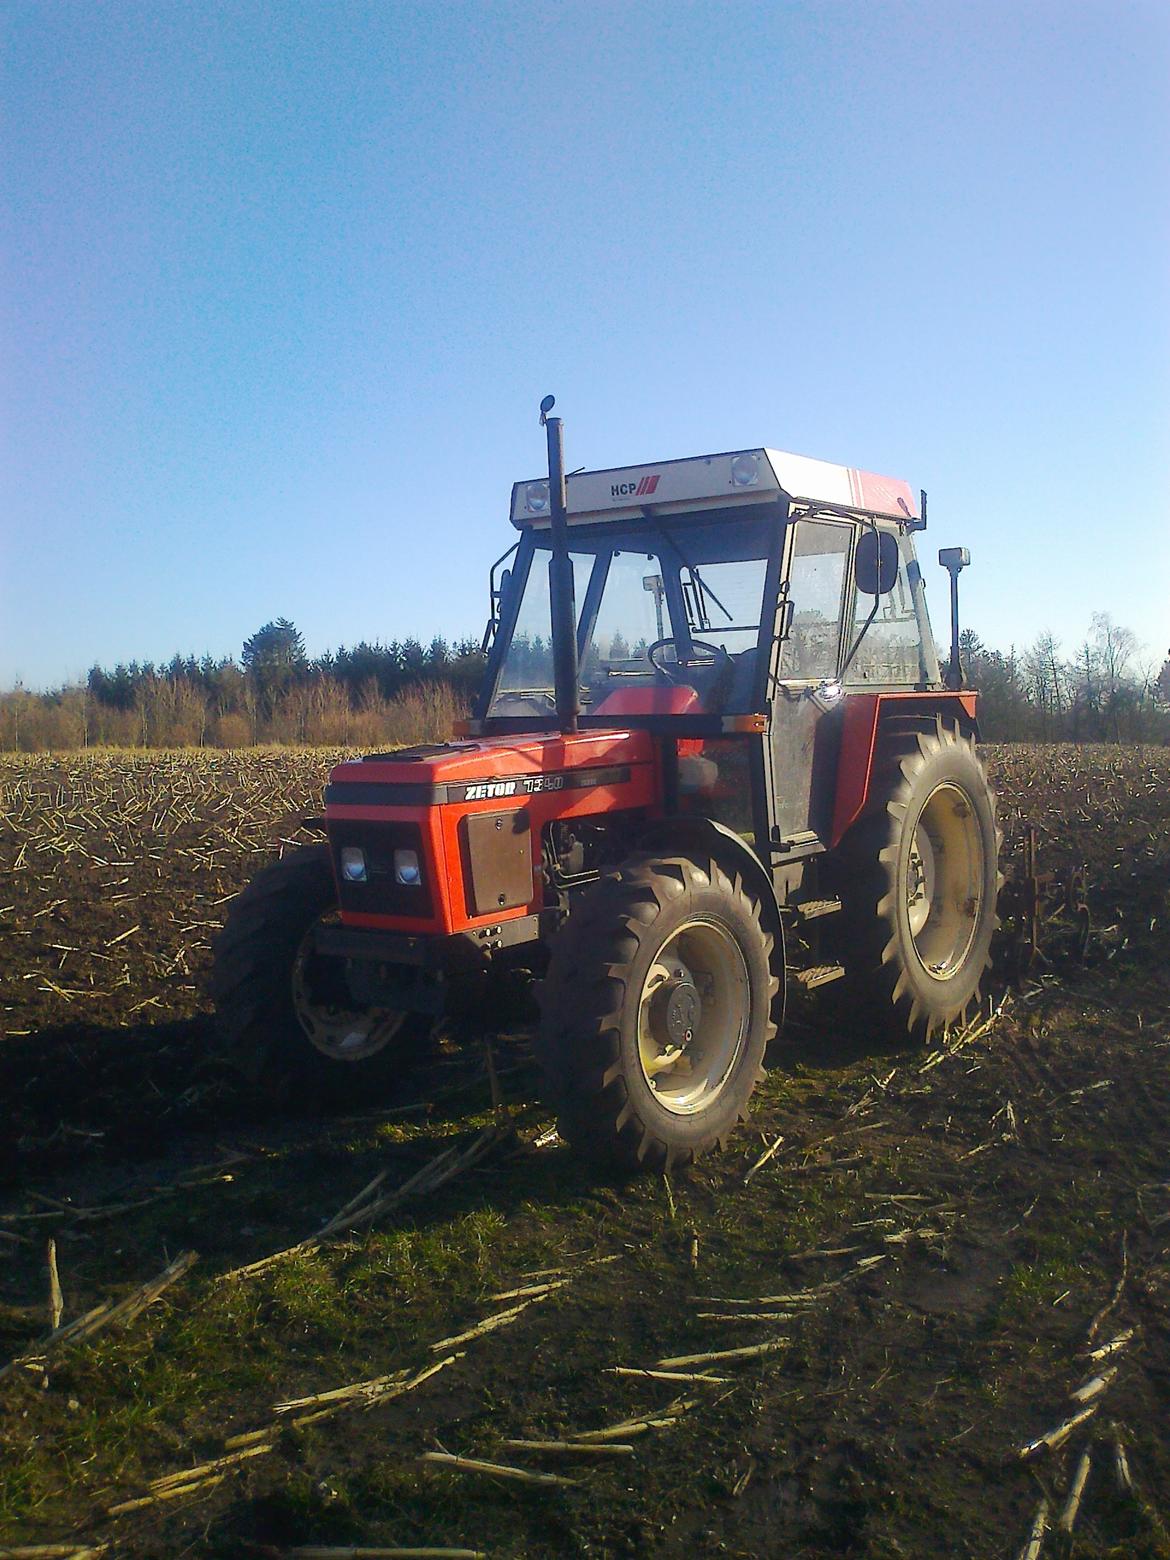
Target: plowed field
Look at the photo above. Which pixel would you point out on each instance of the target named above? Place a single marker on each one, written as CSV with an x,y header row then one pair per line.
x,y
944,1248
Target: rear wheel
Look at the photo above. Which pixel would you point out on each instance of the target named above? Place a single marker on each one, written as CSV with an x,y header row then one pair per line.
x,y
284,1013
918,882
656,1012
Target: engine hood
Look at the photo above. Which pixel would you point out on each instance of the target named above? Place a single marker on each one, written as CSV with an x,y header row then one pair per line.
x,y
491,767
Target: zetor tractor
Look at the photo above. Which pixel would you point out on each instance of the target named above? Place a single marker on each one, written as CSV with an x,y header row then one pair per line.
x,y
712,724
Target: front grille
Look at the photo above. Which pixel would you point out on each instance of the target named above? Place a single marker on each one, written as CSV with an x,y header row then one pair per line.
x,y
380,894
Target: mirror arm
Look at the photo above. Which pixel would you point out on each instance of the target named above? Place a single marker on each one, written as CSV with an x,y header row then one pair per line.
x,y
860,637
495,597
872,613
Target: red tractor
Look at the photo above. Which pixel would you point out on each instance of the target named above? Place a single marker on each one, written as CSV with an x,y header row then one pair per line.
x,y
712,722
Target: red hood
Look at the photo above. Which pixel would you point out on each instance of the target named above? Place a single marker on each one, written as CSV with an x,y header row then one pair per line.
x,y
485,758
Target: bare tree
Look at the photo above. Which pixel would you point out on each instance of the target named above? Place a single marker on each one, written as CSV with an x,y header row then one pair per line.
x,y
1048,682
1117,648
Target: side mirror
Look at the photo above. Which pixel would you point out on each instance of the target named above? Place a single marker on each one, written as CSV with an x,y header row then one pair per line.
x,y
876,565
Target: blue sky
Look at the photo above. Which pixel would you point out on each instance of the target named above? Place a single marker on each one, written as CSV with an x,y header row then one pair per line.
x,y
283,285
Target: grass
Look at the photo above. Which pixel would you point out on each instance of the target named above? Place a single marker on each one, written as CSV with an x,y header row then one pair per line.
x,y
203,1364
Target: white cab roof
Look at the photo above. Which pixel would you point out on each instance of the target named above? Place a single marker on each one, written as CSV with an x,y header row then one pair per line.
x,y
710,481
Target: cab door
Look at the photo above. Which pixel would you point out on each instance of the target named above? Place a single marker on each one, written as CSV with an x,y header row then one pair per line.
x,y
806,701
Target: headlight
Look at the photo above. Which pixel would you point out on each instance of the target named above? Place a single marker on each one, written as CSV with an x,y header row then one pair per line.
x,y
406,868
536,497
745,470
353,864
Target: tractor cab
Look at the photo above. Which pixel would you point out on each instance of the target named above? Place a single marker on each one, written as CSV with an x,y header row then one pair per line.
x,y
746,593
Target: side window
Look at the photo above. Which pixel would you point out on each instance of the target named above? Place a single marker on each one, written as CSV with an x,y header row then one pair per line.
x,y
527,672
891,652
816,585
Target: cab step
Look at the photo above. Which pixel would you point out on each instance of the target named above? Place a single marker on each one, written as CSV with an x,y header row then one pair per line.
x,y
813,909
818,975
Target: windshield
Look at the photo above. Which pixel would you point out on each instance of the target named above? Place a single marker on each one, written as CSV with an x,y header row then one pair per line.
x,y
674,607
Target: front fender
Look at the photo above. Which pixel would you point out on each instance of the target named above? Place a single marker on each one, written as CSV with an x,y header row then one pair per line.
x,y
689,836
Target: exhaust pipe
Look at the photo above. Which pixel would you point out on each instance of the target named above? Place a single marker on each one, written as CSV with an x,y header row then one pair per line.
x,y
560,578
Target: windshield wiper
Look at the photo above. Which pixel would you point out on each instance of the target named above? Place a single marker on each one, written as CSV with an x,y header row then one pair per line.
x,y
702,588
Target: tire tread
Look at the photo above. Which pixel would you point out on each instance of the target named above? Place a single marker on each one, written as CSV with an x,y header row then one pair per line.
x,y
586,990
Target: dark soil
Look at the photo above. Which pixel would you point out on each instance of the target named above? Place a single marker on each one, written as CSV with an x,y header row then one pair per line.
x,y
1013,1183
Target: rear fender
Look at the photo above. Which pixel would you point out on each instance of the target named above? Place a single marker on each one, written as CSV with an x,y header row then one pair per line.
x,y
864,713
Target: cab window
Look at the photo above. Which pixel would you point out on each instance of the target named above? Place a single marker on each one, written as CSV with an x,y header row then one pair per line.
x,y
890,653
817,576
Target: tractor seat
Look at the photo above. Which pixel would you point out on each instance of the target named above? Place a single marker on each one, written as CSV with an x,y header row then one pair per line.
x,y
659,699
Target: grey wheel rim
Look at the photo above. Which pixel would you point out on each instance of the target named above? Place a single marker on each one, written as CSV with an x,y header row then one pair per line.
x,y
694,1014
340,1033
944,893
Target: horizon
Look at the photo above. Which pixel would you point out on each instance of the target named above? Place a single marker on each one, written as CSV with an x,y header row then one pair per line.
x,y
1148,661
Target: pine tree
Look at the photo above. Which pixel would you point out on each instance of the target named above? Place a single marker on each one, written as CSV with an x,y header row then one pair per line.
x,y
273,659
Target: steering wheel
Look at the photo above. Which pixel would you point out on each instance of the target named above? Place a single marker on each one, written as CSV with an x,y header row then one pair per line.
x,y
713,653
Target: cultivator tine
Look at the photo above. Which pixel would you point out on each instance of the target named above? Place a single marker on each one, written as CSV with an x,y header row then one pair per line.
x,y
1076,902
1022,908
1032,886
1018,904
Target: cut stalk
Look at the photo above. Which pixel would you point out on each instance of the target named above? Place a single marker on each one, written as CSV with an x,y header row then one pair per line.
x,y
56,1301
748,1353
1072,1505
489,1324
1031,1550
668,1375
495,1470
573,1448
1059,1434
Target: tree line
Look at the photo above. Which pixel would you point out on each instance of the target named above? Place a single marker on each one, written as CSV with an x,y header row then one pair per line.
x,y
1103,690
275,693
401,692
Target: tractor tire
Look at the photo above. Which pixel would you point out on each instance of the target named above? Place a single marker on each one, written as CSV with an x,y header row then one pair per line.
x,y
656,1012
918,881
284,1016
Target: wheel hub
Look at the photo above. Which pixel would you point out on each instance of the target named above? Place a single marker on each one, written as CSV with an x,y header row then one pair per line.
x,y
680,1010
920,876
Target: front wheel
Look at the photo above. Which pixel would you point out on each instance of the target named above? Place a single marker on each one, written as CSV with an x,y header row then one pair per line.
x,y
656,1012
918,883
285,1014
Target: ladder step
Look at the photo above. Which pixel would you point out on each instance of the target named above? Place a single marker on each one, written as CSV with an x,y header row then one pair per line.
x,y
818,975
811,909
